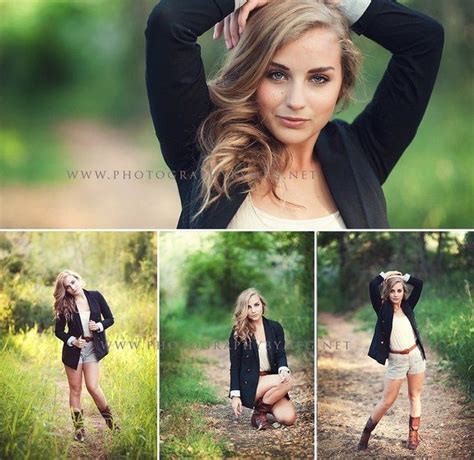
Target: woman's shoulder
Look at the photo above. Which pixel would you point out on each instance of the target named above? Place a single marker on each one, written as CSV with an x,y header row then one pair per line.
x,y
273,323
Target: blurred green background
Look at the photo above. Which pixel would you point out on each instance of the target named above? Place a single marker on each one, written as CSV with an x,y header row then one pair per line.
x,y
201,275
443,260
34,410
73,98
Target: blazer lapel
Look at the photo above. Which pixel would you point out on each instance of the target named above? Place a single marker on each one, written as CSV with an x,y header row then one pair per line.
x,y
95,313
339,175
270,338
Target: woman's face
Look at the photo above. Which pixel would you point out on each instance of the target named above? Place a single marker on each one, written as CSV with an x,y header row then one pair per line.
x,y
72,286
396,293
300,89
255,308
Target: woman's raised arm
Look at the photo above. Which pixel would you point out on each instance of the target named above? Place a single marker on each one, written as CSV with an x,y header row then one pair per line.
x,y
390,121
416,292
374,293
175,78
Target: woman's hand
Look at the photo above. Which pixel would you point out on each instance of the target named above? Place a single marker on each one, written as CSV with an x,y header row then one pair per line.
x,y
79,343
236,405
285,375
233,25
93,326
392,273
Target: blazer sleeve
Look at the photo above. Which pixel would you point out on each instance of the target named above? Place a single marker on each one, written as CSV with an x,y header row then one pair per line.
x,y
175,78
416,292
374,293
280,347
59,329
105,312
390,121
235,352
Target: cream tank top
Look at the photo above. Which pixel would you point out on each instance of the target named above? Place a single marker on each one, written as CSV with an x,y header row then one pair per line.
x,y
85,316
402,336
249,217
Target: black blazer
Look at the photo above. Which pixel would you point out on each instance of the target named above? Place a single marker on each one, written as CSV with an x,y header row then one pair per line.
x,y
245,362
355,158
100,312
379,348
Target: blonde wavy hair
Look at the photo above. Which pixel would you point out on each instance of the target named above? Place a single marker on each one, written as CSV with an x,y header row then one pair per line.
x,y
244,329
389,283
64,303
238,149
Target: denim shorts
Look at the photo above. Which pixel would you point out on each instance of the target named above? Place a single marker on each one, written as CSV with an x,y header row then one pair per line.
x,y
401,365
88,354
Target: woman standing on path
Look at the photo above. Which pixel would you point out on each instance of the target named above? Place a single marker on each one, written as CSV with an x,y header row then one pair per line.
x,y
397,339
86,315
259,373
256,148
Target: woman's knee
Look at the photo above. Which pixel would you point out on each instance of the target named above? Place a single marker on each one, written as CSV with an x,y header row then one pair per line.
x,y
75,390
94,390
287,418
414,396
387,402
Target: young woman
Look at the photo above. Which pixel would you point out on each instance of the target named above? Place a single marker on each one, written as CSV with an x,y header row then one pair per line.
x,y
259,373
397,339
255,148
86,315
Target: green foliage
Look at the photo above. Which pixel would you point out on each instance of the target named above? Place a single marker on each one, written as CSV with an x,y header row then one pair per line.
x,y
121,265
220,265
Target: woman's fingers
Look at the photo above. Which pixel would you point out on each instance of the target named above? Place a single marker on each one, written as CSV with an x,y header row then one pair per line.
x,y
234,29
227,38
218,28
246,9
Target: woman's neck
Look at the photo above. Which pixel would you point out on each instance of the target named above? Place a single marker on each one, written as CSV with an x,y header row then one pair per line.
x,y
302,155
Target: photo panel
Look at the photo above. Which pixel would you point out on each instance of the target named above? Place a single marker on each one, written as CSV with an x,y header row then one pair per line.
x,y
236,344
78,354
395,344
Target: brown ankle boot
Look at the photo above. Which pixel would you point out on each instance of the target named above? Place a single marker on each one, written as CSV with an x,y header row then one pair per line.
x,y
109,419
78,421
259,417
364,439
413,433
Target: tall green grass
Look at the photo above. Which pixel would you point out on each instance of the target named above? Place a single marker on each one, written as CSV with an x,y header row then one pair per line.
x,y
446,322
183,387
33,420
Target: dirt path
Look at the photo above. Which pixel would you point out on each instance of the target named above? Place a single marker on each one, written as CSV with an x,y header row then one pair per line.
x,y
296,441
98,435
96,203
350,384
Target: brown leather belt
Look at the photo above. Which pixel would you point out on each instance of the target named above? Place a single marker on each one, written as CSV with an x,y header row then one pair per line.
x,y
88,339
406,351
263,373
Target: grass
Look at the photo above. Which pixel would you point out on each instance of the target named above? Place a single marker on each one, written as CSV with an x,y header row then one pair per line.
x,y
183,389
446,322
33,420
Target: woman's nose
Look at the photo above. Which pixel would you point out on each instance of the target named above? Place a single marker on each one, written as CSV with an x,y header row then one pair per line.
x,y
295,98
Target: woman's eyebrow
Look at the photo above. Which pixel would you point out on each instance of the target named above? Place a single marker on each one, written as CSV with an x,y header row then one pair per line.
x,y
316,69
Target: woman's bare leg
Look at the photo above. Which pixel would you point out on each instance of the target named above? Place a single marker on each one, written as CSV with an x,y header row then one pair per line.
x,y
265,383
284,411
91,376
74,378
271,389
390,394
415,385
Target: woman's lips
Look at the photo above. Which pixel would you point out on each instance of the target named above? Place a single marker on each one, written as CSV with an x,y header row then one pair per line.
x,y
292,122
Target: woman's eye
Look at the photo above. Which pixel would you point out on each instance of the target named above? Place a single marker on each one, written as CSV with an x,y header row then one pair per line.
x,y
276,75
319,79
